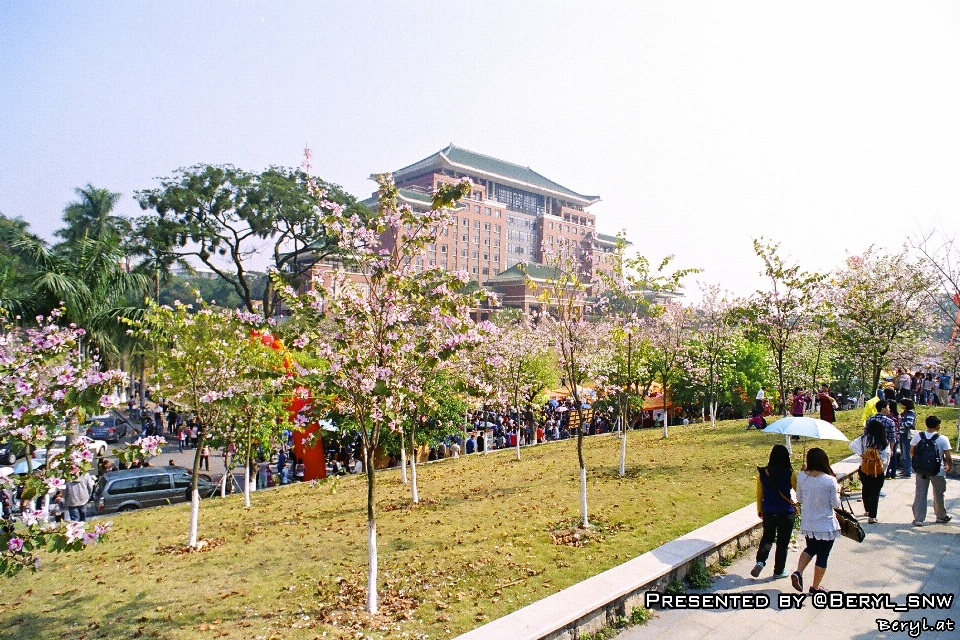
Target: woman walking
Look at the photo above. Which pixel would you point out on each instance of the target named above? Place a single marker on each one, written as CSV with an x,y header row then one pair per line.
x,y
819,493
874,452
775,508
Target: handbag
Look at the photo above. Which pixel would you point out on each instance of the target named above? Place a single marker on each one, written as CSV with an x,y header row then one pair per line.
x,y
849,525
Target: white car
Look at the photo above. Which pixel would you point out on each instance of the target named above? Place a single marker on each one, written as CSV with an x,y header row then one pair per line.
x,y
97,447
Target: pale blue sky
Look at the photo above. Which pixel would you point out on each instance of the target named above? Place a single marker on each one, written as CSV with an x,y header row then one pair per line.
x,y
828,126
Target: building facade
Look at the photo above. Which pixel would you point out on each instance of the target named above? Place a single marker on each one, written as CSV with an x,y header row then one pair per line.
x,y
512,215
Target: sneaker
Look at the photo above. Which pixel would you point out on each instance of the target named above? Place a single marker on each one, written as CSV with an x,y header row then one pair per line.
x,y
817,590
757,568
872,521
781,574
944,520
917,523
883,495
797,579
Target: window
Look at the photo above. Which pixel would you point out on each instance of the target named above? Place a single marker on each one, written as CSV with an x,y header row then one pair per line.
x,y
476,224
454,220
549,239
476,208
486,241
465,222
464,237
463,252
496,242
476,239
566,228
496,257
487,211
486,257
443,248
496,228
498,214
474,270
476,254
486,226
518,200
486,271
181,480
551,224
120,487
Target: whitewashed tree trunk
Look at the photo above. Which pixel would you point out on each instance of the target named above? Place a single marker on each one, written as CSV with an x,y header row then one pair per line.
x,y
194,518
583,498
713,414
623,450
413,477
518,443
372,605
246,485
403,460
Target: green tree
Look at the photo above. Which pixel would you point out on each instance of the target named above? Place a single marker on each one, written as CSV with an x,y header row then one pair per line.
x,y
91,217
223,216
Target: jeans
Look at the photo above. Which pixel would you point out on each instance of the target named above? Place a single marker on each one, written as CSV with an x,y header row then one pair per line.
x,y
777,527
871,493
894,458
906,462
79,514
920,497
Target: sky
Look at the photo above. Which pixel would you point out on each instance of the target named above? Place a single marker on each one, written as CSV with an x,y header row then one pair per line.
x,y
825,126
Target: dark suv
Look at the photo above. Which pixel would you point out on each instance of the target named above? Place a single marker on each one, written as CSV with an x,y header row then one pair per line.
x,y
130,489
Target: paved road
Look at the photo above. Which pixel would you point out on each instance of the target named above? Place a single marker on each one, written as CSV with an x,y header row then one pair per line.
x,y
896,559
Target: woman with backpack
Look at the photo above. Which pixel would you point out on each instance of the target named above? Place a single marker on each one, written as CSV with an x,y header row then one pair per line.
x,y
874,452
819,493
775,508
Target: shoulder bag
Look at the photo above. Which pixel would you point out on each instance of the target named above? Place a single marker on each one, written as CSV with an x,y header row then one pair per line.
x,y
849,525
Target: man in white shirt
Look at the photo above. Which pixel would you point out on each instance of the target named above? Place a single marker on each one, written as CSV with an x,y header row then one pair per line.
x,y
924,480
758,405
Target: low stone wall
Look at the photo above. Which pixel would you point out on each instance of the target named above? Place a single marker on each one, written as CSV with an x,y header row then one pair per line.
x,y
595,603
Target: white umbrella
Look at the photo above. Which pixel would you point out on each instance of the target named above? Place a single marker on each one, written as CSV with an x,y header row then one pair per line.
x,y
560,409
804,426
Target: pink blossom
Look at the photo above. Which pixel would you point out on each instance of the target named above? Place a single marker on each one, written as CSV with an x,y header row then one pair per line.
x,y
75,531
15,545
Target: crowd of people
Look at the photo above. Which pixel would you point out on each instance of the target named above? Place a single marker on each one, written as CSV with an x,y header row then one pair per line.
x,y
889,442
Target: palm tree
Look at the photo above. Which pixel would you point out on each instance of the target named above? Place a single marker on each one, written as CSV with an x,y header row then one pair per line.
x,y
90,217
90,279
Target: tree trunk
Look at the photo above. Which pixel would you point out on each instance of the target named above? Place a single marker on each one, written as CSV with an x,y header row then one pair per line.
x,y
246,468
371,536
623,448
195,493
403,459
665,434
713,414
584,521
413,470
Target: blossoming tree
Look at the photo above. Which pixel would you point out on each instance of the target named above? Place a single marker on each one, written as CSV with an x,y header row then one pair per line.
x,y
207,362
46,389
381,322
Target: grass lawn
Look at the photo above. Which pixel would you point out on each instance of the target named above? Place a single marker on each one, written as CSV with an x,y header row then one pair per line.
x,y
479,545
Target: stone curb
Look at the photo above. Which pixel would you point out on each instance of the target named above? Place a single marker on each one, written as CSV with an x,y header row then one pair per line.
x,y
595,603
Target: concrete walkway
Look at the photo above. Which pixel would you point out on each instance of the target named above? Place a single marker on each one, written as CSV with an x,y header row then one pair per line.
x,y
896,559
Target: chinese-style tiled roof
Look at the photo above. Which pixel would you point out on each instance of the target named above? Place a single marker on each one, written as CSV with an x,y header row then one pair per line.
x,y
471,162
532,270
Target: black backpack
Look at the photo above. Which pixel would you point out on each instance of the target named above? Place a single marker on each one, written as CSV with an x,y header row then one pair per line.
x,y
926,455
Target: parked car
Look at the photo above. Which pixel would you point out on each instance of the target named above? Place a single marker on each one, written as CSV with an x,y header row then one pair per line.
x,y
109,426
97,447
10,451
37,461
130,489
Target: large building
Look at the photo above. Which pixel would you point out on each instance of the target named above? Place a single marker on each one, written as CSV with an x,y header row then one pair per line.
x,y
513,215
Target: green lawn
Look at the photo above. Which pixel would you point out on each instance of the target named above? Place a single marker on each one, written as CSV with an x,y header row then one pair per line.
x,y
477,547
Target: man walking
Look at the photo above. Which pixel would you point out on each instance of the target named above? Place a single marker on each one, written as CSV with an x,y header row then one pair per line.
x,y
930,451
943,388
76,495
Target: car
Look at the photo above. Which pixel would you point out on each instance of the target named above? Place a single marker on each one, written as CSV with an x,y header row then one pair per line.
x,y
37,461
129,489
97,447
9,451
109,426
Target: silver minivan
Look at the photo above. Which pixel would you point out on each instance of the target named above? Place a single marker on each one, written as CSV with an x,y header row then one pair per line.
x,y
130,489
